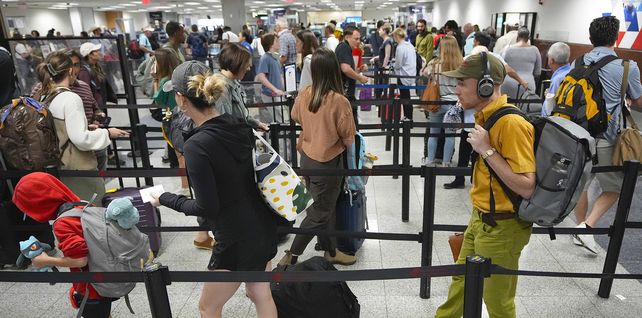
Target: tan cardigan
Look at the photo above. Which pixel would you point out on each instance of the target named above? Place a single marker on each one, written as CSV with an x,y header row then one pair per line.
x,y
327,132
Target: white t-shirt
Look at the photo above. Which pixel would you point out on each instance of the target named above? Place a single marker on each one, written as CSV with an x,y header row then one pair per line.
x,y
68,106
231,37
331,43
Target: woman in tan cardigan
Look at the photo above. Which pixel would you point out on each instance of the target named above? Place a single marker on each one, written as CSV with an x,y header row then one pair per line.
x,y
328,128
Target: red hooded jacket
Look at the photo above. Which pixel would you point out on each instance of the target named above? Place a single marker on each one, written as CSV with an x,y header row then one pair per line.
x,y
39,195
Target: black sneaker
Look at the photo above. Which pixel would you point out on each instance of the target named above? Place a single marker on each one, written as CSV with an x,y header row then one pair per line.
x,y
454,185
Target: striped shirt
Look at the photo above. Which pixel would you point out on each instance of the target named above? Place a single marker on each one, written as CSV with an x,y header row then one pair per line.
x,y
84,91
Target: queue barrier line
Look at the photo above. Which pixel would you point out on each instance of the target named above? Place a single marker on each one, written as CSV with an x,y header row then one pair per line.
x,y
290,276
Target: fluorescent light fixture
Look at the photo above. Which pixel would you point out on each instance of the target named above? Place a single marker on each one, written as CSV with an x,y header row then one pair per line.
x,y
192,3
128,5
202,8
211,1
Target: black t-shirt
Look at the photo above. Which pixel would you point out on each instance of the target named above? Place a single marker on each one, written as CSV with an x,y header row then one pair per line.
x,y
344,55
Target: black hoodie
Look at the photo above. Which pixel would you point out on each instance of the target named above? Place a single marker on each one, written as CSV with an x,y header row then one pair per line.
x,y
218,157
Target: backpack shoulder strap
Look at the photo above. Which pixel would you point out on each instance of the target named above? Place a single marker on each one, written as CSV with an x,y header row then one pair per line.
x,y
506,110
512,196
603,61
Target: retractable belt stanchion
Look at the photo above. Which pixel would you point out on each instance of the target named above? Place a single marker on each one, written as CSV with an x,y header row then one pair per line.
x,y
156,281
390,112
427,227
130,92
141,132
405,179
395,134
292,135
631,169
274,136
477,268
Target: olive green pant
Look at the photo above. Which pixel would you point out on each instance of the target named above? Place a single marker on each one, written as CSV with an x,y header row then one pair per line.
x,y
502,244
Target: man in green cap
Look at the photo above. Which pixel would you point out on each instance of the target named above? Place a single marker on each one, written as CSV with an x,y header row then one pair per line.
x,y
507,149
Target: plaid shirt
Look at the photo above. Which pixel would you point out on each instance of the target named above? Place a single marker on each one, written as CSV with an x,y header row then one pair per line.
x,y
288,46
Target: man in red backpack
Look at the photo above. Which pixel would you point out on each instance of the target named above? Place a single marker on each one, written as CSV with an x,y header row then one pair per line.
x,y
40,196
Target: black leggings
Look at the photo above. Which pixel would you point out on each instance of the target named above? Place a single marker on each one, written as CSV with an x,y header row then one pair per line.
x,y
95,308
465,150
407,108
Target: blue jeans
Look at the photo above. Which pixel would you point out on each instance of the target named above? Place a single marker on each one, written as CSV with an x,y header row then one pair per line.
x,y
449,145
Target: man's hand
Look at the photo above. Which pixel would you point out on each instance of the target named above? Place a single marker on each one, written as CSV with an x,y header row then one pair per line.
x,y
363,79
363,67
93,127
478,139
264,127
277,92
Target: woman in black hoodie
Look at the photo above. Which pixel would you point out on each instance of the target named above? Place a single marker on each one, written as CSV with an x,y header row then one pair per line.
x,y
218,156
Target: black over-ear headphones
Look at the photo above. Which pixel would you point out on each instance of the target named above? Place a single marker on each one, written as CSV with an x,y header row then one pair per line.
x,y
486,85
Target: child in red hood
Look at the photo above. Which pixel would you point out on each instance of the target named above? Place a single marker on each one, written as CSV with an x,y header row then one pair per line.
x,y
40,195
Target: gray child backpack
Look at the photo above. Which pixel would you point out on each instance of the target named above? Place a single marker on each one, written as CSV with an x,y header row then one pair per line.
x,y
564,156
111,248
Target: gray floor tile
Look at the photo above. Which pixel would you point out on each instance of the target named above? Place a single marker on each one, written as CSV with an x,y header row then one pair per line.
x,y
567,306
546,286
27,304
373,305
412,306
619,308
624,287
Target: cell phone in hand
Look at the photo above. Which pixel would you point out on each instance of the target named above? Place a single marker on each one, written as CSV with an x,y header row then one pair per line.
x,y
105,121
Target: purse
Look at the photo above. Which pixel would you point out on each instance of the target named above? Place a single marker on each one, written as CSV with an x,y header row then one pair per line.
x,y
629,142
455,241
280,187
431,93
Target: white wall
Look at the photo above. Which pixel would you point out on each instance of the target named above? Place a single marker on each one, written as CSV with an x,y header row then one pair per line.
x,y
140,19
325,16
41,20
563,20
100,19
374,14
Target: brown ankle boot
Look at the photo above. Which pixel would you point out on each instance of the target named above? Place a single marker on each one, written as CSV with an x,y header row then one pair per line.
x,y
288,259
340,258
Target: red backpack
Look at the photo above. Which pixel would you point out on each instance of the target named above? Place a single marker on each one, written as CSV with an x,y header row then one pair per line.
x,y
134,51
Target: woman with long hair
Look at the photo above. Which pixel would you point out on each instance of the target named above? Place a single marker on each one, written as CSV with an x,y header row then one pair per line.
x,y
328,128
77,143
449,59
219,160
306,44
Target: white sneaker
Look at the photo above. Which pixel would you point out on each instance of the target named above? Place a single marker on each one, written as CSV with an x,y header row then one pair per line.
x,y
587,240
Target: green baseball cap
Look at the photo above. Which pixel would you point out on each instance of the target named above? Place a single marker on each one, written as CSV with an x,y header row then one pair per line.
x,y
472,67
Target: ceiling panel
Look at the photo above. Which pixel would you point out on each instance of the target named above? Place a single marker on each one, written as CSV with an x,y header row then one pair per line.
x,y
199,6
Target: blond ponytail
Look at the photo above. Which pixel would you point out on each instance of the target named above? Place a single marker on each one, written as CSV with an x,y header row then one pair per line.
x,y
208,89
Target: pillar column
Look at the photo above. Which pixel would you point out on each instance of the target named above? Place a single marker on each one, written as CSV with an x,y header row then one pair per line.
x,y
234,14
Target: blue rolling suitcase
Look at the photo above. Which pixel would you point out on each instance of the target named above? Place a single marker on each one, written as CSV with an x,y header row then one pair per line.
x,y
351,216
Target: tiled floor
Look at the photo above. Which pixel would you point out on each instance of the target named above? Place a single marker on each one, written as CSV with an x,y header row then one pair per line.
x,y
536,296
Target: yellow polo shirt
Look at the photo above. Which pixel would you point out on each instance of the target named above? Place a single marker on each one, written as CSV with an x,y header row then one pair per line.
x,y
513,137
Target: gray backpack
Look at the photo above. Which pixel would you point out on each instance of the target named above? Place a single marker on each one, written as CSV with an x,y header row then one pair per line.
x,y
111,248
143,76
564,154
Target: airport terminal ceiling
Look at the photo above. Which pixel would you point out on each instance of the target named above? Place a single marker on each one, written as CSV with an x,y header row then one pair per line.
x,y
214,6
